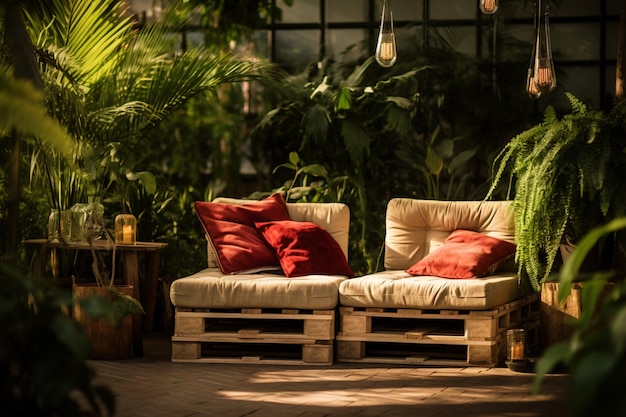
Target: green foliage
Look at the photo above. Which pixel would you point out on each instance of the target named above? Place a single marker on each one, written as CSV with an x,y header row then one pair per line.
x,y
418,129
43,368
114,312
305,191
339,121
566,176
108,85
596,353
234,19
21,108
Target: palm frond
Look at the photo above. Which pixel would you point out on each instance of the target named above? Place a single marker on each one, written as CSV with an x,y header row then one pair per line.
x,y
21,108
84,36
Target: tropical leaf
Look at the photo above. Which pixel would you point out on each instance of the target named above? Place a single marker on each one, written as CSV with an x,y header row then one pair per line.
x,y
106,82
355,137
21,108
344,99
85,37
434,163
316,123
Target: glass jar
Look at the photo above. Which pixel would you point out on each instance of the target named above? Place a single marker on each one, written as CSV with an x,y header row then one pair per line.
x,y
125,229
516,345
54,225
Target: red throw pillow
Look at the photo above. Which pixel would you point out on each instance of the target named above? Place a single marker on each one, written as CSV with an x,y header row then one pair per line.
x,y
304,248
465,254
234,237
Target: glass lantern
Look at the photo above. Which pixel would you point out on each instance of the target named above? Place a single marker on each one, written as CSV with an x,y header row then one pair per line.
x,y
516,345
125,229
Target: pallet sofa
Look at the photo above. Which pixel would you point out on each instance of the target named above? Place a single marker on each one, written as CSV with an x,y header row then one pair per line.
x,y
243,307
408,313
237,310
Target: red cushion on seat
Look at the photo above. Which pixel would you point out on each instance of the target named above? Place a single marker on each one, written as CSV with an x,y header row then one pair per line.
x,y
465,254
234,237
304,248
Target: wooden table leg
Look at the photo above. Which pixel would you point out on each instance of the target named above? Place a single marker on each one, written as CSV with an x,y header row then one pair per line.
x,y
131,275
149,294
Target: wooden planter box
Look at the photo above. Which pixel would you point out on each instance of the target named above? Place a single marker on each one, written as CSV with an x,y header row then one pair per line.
x,y
107,341
434,337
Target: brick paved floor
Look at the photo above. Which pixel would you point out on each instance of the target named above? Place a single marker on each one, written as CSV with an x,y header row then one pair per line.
x,y
153,386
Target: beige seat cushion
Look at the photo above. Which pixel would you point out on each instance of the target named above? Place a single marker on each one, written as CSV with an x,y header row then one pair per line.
x,y
212,289
397,289
414,229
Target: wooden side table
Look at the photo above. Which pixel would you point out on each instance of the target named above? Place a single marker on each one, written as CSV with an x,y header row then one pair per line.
x,y
129,257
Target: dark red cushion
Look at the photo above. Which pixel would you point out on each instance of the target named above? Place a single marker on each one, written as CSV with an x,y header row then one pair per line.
x,y
304,248
234,237
465,254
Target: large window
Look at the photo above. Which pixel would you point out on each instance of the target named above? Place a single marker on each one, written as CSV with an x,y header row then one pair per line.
x,y
584,33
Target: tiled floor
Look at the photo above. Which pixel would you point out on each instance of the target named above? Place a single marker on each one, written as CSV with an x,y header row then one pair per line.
x,y
154,386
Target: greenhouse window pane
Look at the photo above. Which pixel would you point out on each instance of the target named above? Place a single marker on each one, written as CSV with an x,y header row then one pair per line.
x,y
613,7
347,11
583,82
464,40
524,33
612,35
580,8
302,11
453,9
576,41
340,39
405,10
297,47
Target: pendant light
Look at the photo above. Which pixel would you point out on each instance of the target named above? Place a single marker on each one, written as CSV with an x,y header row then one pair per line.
x,y
541,74
386,54
489,6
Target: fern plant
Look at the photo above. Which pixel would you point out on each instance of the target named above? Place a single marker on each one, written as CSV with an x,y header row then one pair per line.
x,y
564,176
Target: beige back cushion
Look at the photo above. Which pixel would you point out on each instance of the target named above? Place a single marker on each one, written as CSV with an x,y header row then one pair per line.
x,y
415,228
332,217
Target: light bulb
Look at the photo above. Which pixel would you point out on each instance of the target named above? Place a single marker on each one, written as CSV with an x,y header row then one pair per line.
x,y
543,74
386,54
489,6
386,50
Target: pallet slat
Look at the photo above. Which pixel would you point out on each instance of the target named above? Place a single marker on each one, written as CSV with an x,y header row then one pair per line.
x,y
377,335
268,336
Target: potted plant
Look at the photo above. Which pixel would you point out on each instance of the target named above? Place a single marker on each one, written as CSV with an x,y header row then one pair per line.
x,y
565,176
595,355
109,329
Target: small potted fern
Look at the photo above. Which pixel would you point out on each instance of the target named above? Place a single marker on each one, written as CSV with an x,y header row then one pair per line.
x,y
566,175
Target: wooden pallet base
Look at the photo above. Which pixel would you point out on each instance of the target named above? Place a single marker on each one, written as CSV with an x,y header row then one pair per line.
x,y
268,336
434,337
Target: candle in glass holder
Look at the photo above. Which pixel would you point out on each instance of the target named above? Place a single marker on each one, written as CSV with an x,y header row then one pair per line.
x,y
517,351
127,234
125,229
516,344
